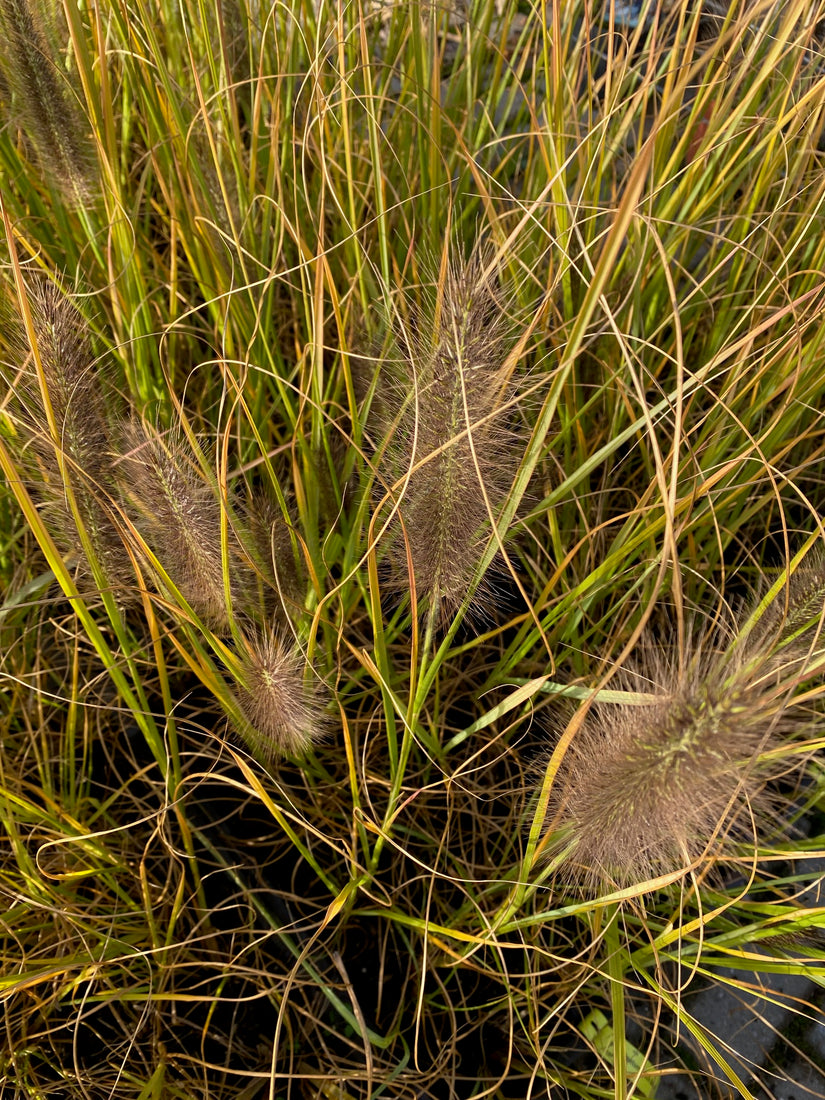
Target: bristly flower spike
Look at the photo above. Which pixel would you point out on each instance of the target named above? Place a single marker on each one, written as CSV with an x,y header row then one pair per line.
x,y
285,714
67,400
48,113
647,788
179,520
797,610
451,453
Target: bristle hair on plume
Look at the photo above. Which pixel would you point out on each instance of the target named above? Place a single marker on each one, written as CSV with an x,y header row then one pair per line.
x,y
270,543
797,610
48,113
645,790
71,383
451,452
179,519
69,374
284,714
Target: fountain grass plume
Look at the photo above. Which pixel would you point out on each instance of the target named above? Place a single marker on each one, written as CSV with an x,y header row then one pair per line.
x,y
284,713
451,453
70,377
47,110
647,788
270,541
81,448
792,617
180,522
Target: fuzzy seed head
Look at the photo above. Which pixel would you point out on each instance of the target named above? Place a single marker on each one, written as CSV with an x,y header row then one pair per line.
x,y
797,610
643,790
284,714
180,517
72,382
48,112
452,453
271,545
72,385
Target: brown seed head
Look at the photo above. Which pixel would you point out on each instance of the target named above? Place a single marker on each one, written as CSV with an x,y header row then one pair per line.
x,y
71,379
451,454
797,610
271,545
285,715
645,789
180,517
48,111
71,385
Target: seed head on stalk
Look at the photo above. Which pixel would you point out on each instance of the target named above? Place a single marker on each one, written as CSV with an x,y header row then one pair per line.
x,y
451,453
684,768
65,425
285,714
45,105
179,519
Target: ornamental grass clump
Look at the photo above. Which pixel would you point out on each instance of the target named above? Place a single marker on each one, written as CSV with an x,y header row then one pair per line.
x,y
682,772
361,913
446,396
